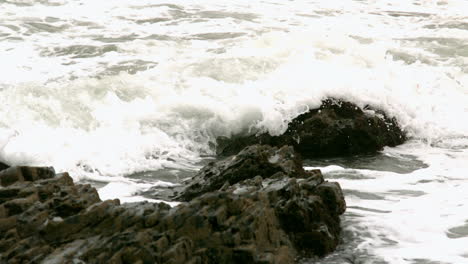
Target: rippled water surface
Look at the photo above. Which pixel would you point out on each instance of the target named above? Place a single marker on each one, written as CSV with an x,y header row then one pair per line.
x,y
130,95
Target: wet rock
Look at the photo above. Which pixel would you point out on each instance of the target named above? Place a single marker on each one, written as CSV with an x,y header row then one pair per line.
x,y
331,194
261,160
336,128
23,173
3,166
274,216
251,222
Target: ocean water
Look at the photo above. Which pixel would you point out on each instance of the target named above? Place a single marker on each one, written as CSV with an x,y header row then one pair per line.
x,y
130,95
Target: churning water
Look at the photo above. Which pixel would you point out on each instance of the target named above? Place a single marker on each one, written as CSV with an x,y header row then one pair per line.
x,y
132,94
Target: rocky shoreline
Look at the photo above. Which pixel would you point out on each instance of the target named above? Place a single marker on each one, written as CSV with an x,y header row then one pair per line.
x,y
257,206
45,217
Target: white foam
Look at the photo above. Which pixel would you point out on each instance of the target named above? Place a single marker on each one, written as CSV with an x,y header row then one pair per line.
x,y
120,124
191,84
326,169
126,191
417,209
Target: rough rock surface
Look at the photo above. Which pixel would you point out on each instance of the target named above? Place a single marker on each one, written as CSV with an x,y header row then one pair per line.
x,y
11,175
261,160
256,220
337,128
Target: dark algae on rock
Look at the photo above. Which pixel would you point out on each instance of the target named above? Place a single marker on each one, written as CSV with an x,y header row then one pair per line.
x,y
336,128
275,213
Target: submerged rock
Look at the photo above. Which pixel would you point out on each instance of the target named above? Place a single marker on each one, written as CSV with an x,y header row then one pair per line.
x,y
337,128
272,218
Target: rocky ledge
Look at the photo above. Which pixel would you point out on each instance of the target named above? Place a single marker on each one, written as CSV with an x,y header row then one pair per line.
x,y
336,128
256,207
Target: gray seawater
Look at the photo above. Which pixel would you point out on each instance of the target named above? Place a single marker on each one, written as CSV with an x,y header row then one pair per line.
x,y
131,95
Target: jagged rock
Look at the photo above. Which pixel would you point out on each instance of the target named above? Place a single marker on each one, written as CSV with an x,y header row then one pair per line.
x,y
260,221
23,173
273,218
337,128
262,160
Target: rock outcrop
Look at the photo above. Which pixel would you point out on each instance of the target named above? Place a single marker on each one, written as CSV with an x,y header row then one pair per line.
x,y
337,128
272,216
256,160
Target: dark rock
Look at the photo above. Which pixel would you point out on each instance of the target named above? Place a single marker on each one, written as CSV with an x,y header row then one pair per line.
x,y
3,166
337,128
261,160
331,194
7,223
22,173
259,219
10,176
271,216
9,193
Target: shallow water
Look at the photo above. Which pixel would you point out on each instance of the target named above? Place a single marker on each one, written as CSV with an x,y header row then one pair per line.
x,y
131,95
401,216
